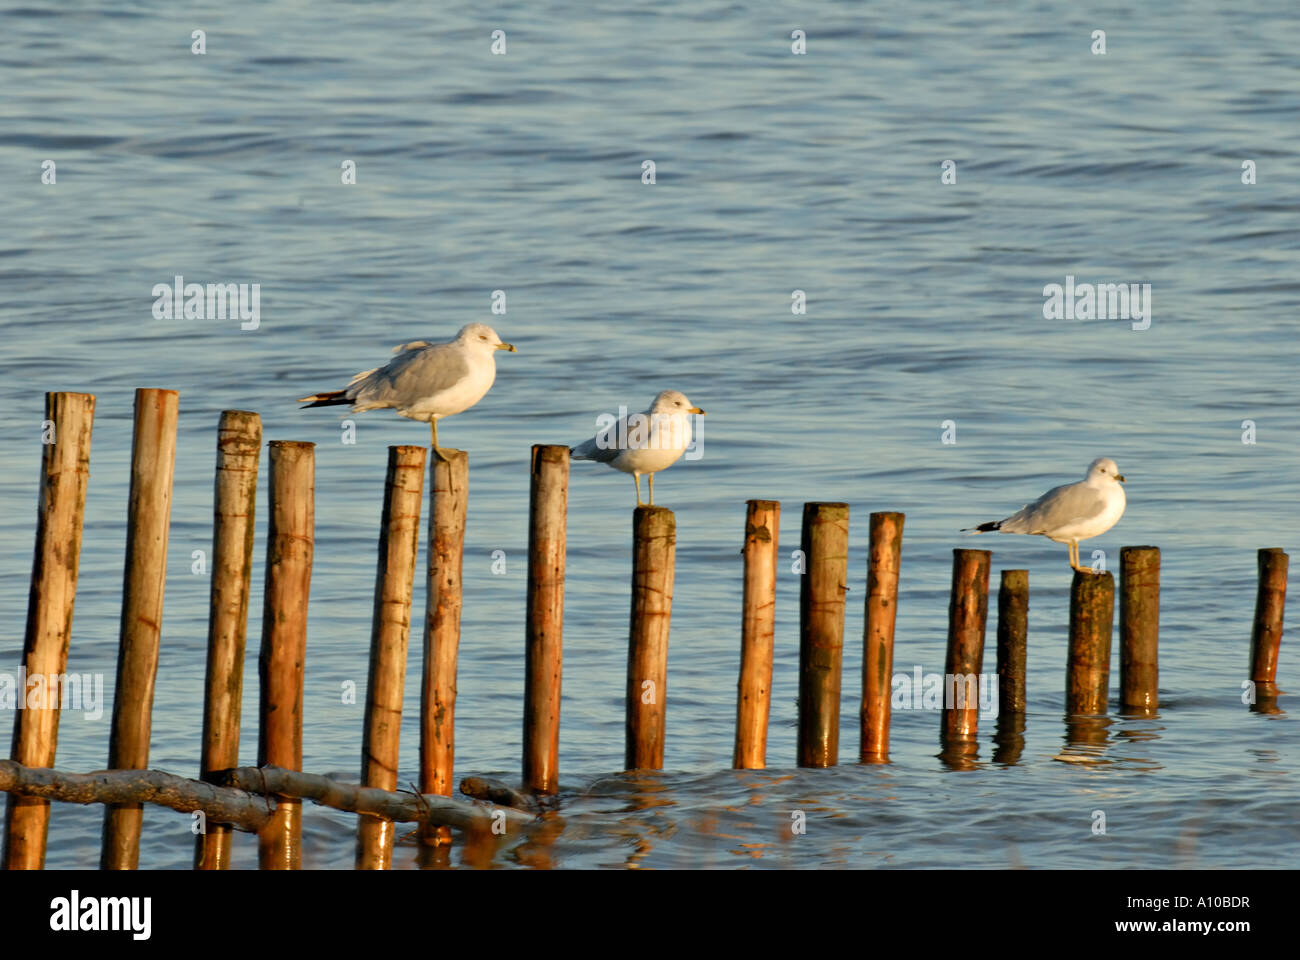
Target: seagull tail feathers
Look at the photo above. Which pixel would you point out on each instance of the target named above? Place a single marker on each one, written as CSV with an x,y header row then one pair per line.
x,y
984,527
331,398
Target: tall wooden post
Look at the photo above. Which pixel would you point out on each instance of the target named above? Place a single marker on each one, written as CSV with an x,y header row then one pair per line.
x,y
1092,609
1270,604
825,545
1139,628
878,635
548,507
390,633
65,470
968,609
448,503
153,465
757,633
654,549
239,447
290,545
1013,633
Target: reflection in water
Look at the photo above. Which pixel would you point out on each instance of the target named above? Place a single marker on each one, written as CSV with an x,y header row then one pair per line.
x,y
1009,738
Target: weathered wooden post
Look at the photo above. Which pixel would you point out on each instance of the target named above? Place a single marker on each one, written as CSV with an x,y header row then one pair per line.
x,y
757,633
65,470
1139,628
654,549
1092,610
448,502
878,635
239,447
390,633
548,508
825,546
968,609
290,544
153,465
1013,633
1270,604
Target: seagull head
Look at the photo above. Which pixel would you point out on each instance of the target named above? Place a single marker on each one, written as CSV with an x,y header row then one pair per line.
x,y
1103,470
483,337
672,401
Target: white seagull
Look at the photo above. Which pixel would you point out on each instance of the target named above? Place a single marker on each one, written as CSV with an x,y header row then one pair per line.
x,y
426,381
644,442
1071,512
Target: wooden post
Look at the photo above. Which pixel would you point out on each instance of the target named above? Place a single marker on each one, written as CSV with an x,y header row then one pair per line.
x,y
390,633
153,464
968,609
290,544
825,545
757,633
548,508
1013,633
239,446
1139,628
65,469
448,500
654,546
1270,603
1092,608
878,635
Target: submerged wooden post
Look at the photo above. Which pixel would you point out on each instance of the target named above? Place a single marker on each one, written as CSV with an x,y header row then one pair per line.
x,y
1013,633
825,546
448,501
153,465
239,447
1092,609
65,469
968,610
290,544
390,633
757,633
878,635
1139,628
548,508
654,549
1270,604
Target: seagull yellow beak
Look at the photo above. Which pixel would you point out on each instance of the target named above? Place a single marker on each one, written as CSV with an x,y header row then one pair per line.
x,y
1119,477
507,346
696,410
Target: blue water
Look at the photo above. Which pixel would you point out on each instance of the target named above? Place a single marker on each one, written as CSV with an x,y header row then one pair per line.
x,y
774,173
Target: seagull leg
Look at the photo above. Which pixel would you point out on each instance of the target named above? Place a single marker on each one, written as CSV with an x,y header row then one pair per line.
x,y
652,489
1074,557
437,452
636,478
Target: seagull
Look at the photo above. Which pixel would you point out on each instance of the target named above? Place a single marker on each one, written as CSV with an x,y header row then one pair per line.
x,y
644,442
425,381
1071,512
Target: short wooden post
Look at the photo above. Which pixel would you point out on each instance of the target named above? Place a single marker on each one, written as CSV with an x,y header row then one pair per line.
x,y
757,633
654,550
448,502
153,464
290,544
1270,604
885,554
239,447
390,633
65,470
1139,628
825,546
1013,634
548,508
1092,609
968,609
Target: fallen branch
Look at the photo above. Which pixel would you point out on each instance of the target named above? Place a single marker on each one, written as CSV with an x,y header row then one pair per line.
x,y
239,808
430,809
494,791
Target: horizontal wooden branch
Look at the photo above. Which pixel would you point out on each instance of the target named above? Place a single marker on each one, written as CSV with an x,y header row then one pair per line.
x,y
239,808
431,809
494,791
243,797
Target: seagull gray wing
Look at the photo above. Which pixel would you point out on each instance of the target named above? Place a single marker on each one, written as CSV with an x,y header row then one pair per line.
x,y
1058,507
411,376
